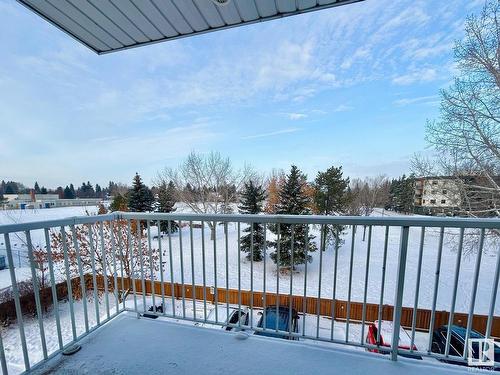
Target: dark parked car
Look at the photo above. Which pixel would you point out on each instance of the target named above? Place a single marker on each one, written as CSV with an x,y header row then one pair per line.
x,y
282,315
457,343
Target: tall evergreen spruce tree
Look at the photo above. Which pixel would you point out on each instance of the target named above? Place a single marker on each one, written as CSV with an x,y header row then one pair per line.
x,y
140,197
252,202
166,202
292,201
331,197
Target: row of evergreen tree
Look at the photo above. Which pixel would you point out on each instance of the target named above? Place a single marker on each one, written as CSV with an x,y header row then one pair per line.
x,y
86,190
293,243
402,194
140,198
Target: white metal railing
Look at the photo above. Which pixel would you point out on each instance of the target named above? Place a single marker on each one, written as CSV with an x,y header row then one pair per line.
x,y
92,246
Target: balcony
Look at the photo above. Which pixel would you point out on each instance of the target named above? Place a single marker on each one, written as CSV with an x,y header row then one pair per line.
x,y
156,302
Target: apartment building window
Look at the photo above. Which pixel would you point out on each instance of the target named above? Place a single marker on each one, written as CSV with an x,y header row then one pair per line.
x,y
445,191
433,201
434,182
443,201
423,200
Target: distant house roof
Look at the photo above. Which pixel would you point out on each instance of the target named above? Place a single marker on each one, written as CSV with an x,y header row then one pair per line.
x,y
110,25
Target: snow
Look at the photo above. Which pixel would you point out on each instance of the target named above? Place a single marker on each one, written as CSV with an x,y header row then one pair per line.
x,y
446,280
11,338
327,272
10,334
22,274
131,345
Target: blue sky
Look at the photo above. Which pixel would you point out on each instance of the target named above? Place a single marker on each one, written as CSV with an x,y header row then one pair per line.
x,y
350,86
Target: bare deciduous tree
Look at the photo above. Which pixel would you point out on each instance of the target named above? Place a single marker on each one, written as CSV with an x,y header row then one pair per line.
x,y
366,195
212,180
466,137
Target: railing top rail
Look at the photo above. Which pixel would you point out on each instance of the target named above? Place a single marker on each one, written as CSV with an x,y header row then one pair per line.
x,y
42,224
488,223
414,221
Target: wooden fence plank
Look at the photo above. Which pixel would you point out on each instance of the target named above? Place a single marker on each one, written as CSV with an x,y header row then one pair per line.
x,y
325,306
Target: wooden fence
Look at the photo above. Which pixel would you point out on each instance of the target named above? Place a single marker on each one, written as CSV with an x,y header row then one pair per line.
x,y
311,306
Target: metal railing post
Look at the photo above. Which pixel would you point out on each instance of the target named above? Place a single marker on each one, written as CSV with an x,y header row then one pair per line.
x,y
398,298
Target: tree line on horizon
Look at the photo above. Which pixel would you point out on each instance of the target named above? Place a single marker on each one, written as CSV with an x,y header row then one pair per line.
x,y
86,190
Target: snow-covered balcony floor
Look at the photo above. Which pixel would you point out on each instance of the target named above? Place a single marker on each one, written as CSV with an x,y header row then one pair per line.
x,y
127,345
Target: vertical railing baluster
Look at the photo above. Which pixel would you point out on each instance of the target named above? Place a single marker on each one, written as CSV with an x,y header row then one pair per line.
x,y
436,285
17,303
367,270
76,245
141,264
193,293
160,256
216,294
334,292
36,292
251,274
68,282
239,271
3,360
493,298
292,250
183,289
398,298
417,289
94,275
53,283
278,251
115,269
132,276
318,301
104,268
264,301
304,299
119,234
470,315
171,264
454,291
349,288
227,268
151,267
204,273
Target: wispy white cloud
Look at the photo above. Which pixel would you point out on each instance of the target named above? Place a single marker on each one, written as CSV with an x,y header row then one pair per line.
x,y
271,134
295,116
343,108
122,105
429,99
415,76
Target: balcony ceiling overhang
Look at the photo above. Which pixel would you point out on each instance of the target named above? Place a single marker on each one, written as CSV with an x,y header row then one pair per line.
x,y
107,26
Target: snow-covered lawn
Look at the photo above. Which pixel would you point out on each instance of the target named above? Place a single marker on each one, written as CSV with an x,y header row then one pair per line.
x,y
22,274
12,341
313,274
446,280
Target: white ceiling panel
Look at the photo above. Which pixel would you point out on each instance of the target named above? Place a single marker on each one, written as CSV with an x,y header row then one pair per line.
x,y
306,4
266,8
112,25
191,14
210,13
247,10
